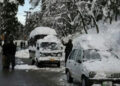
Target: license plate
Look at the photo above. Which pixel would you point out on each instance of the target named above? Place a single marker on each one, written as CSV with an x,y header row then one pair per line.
x,y
107,83
52,60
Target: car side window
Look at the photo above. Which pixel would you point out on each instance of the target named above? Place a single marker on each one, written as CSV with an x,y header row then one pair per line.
x,y
72,54
79,55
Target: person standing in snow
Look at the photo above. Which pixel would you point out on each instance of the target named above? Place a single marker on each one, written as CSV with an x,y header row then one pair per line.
x,y
9,49
68,48
5,61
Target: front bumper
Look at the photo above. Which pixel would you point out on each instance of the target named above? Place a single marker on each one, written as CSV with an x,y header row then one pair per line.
x,y
49,60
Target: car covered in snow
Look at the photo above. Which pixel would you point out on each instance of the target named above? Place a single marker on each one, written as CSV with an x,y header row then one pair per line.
x,y
93,60
93,66
36,34
49,51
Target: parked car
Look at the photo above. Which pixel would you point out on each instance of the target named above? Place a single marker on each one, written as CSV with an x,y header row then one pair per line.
x,y
93,66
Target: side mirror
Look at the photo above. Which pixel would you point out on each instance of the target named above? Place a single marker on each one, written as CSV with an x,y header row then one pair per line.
x,y
79,61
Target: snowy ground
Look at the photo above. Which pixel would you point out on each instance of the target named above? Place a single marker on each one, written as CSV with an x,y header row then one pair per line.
x,y
22,54
25,54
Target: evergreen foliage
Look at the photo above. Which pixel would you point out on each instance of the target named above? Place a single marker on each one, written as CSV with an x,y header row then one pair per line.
x,y
9,22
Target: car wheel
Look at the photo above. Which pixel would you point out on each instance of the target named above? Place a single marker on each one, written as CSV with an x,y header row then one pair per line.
x,y
85,82
69,78
37,63
58,64
32,62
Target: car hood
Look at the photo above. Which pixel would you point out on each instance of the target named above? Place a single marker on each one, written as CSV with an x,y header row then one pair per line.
x,y
103,65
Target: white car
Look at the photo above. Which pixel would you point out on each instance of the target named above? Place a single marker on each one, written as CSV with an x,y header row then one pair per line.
x,y
93,66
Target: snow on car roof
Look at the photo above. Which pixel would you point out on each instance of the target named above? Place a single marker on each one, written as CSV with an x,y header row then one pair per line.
x,y
49,38
42,30
90,41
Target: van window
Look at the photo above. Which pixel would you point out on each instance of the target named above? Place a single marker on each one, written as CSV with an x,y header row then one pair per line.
x,y
50,46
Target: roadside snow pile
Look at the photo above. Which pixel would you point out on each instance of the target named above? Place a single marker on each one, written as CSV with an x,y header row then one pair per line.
x,y
22,54
33,67
26,67
108,38
42,30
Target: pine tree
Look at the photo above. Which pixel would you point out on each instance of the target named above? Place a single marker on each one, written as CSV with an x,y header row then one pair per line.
x,y
8,15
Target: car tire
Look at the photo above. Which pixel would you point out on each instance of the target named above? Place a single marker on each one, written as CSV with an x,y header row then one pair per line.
x,y
85,82
32,62
58,64
37,63
69,78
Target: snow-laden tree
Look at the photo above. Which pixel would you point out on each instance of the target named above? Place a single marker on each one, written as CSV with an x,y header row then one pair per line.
x,y
8,17
71,16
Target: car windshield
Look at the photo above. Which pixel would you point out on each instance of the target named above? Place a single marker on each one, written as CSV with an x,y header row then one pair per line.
x,y
50,46
91,54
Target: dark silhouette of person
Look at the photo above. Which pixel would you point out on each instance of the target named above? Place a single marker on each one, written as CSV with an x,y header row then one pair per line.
x,y
68,48
5,60
21,44
9,50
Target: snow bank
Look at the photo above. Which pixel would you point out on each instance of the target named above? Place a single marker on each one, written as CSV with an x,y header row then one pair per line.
x,y
32,67
26,67
22,54
43,30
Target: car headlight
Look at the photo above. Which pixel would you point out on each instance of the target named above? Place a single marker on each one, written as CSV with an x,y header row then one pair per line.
x,y
92,74
59,54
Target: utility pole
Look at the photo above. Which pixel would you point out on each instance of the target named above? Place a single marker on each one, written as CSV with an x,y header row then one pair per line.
x,y
26,22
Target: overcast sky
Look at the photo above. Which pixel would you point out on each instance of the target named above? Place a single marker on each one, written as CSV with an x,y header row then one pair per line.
x,y
21,14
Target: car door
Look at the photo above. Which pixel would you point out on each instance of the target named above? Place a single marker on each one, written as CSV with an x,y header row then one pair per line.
x,y
71,62
78,64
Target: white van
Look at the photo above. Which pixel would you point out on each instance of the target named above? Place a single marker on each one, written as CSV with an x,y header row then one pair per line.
x,y
48,51
36,34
